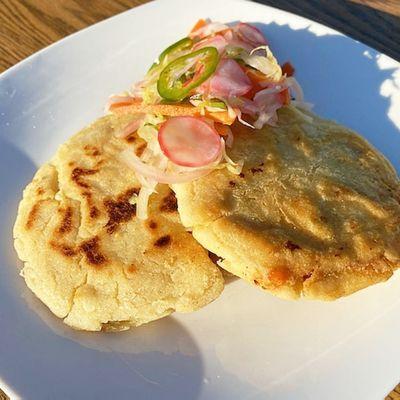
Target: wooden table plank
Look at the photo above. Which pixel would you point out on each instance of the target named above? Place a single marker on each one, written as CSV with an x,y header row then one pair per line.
x,y
390,6
3,396
26,26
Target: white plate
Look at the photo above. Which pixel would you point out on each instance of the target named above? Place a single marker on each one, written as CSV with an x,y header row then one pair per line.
x,y
247,344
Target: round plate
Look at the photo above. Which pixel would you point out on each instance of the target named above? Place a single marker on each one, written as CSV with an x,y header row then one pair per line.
x,y
247,344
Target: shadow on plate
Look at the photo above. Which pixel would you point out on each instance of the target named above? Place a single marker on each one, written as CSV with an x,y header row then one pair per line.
x,y
348,77
152,360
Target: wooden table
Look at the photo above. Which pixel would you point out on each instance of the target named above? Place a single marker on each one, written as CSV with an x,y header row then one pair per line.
x,y
26,26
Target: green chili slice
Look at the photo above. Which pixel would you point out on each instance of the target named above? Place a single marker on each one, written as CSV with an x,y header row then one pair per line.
x,y
181,45
182,75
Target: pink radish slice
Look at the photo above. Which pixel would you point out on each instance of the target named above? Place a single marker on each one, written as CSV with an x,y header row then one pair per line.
x,y
189,141
229,80
250,34
216,41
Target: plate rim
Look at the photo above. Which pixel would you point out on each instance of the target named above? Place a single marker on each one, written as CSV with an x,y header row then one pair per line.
x,y
14,69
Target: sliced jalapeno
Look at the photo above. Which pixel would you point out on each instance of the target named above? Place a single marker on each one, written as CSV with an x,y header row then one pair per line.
x,y
181,45
182,75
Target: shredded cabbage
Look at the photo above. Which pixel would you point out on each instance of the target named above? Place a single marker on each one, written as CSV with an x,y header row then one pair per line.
x,y
267,64
143,201
150,94
211,105
153,166
152,155
233,51
231,166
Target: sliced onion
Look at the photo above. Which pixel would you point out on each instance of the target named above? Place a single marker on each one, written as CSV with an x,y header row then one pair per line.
x,y
229,137
142,204
295,86
209,29
189,141
158,175
272,88
269,97
268,102
217,41
247,106
133,126
250,34
232,112
229,80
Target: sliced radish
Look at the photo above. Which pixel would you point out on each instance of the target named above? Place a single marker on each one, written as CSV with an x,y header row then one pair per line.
x,y
229,80
189,141
269,97
250,34
217,41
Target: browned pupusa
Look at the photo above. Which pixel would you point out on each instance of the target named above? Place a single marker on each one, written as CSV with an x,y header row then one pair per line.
x,y
86,254
315,212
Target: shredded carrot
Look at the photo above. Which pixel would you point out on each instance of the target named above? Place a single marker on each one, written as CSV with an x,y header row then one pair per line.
x,y
288,69
171,110
221,129
199,24
121,104
223,117
255,76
